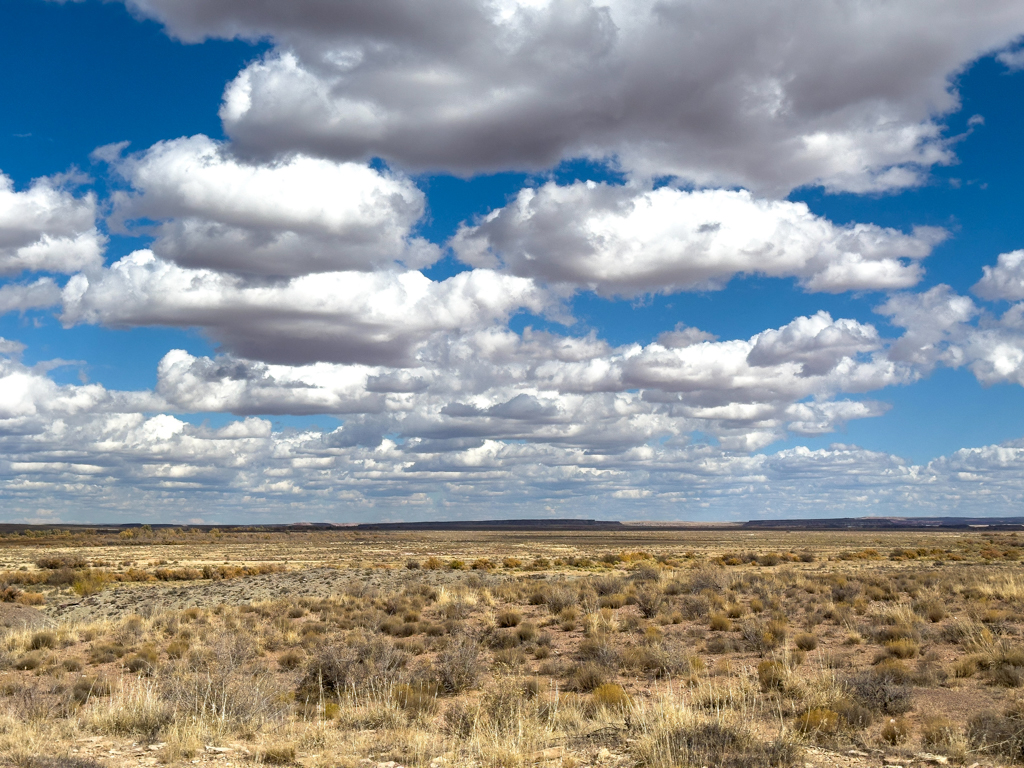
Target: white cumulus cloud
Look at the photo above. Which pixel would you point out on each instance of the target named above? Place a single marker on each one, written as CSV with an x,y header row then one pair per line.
x,y
368,317
618,240
46,228
293,217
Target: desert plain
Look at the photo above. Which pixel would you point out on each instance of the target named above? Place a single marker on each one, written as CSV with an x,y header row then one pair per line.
x,y
647,647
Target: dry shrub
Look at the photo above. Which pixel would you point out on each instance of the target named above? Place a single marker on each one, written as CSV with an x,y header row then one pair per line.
x,y
711,743
902,648
457,667
694,606
90,582
177,648
611,696
289,660
28,661
527,632
720,623
418,699
587,677
278,754
512,658
135,709
881,691
336,668
460,720
995,733
144,660
649,599
895,731
764,636
854,714
226,688
508,618
86,688
772,675
818,722
939,733
41,640
806,641
559,598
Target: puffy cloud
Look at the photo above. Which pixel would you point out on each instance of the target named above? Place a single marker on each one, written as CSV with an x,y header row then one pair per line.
x,y
944,328
45,228
619,240
1003,281
494,384
29,398
19,297
293,217
767,95
368,317
193,384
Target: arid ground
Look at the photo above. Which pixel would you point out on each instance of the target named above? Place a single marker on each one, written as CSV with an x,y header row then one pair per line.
x,y
641,648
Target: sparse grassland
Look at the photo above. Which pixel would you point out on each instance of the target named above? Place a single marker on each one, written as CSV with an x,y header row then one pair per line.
x,y
643,648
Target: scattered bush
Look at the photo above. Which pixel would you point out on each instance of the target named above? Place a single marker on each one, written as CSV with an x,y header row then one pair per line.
x,y
879,690
806,641
457,666
895,731
818,722
712,744
611,696
508,618
41,640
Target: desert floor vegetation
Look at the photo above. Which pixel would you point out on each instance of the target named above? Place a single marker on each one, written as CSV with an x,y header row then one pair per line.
x,y
649,648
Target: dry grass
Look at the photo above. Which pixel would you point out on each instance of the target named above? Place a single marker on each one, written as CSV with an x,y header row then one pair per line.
x,y
505,649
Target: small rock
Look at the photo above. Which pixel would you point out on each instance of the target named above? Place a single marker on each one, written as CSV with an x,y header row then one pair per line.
x,y
219,750
857,753
934,759
603,754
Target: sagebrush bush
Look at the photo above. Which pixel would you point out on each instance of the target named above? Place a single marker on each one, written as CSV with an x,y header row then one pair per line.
x,y
880,691
457,666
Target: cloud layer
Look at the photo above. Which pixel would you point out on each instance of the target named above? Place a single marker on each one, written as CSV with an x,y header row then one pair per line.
x,y
294,246
763,95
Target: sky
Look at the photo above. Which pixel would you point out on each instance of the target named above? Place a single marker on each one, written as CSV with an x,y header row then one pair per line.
x,y
404,260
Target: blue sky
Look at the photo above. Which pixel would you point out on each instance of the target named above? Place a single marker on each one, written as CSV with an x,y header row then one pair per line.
x,y
362,262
